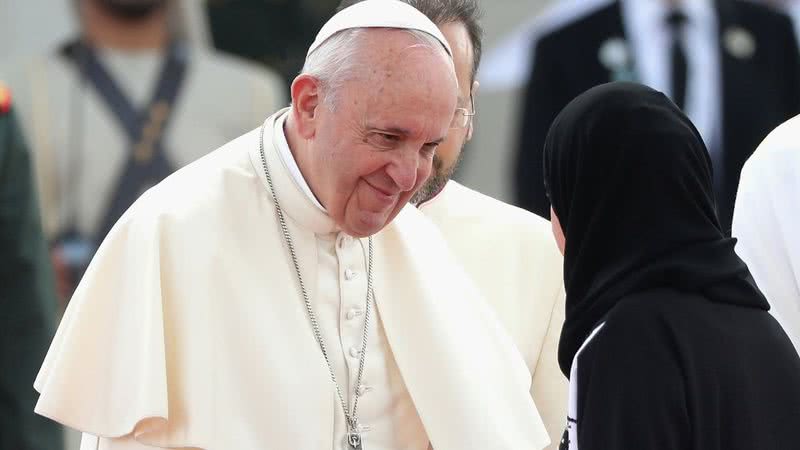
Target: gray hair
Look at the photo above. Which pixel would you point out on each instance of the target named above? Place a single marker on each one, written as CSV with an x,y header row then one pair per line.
x,y
337,59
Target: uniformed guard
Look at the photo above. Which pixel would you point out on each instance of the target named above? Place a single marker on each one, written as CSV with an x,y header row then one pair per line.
x,y
27,297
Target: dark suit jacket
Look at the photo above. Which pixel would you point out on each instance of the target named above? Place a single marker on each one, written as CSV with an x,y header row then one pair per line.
x,y
759,92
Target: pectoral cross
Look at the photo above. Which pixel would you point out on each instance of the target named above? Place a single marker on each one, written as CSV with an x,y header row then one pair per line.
x,y
354,441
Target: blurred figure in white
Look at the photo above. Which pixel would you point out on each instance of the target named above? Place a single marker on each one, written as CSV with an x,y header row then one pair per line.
x,y
766,221
122,105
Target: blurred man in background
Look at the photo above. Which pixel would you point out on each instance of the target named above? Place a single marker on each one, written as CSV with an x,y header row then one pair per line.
x,y
119,108
731,65
508,252
27,298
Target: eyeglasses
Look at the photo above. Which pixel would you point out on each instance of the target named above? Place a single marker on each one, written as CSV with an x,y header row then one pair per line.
x,y
462,116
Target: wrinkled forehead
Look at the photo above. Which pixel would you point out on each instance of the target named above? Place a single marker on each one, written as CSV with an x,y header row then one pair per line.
x,y
398,51
389,47
410,87
395,63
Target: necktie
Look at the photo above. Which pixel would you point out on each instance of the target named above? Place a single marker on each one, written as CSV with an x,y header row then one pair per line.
x,y
676,21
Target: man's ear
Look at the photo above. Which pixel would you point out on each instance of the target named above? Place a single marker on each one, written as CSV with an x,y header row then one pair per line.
x,y
305,100
474,93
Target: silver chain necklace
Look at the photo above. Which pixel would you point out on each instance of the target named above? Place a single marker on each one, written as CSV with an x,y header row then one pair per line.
x,y
354,433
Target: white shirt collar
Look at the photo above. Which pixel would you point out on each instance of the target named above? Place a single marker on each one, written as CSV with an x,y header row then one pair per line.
x,y
296,203
655,11
649,39
288,159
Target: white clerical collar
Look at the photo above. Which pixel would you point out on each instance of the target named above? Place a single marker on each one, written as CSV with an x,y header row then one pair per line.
x,y
295,202
288,159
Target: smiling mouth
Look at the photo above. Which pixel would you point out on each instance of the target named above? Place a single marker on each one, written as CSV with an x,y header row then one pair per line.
x,y
380,193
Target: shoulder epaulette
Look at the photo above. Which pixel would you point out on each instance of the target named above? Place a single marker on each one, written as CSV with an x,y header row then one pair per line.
x,y
5,99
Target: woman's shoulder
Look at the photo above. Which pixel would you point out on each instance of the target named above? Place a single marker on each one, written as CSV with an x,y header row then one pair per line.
x,y
637,339
647,317
641,309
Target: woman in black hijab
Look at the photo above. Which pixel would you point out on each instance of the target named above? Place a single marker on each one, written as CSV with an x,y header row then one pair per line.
x,y
677,349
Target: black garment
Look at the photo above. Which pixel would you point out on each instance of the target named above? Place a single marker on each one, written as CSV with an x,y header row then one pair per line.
x,y
675,371
630,181
758,93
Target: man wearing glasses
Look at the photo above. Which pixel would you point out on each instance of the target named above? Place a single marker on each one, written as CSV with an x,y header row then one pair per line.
x,y
509,253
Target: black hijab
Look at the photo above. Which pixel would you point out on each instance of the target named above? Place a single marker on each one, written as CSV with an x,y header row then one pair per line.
x,y
630,179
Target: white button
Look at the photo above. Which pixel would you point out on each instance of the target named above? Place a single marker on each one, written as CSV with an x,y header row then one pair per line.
x,y
353,313
349,274
363,390
354,352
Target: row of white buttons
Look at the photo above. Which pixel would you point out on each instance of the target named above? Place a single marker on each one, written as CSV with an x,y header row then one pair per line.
x,y
350,274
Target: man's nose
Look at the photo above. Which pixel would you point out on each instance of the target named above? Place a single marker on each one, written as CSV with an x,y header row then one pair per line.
x,y
403,170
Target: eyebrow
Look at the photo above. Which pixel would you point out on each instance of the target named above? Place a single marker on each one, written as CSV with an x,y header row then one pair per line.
x,y
403,132
392,130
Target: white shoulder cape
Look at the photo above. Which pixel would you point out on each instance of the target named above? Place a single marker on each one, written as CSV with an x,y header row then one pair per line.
x,y
188,329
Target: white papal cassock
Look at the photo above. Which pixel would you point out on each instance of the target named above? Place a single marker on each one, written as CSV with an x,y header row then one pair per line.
x,y
189,329
766,220
512,257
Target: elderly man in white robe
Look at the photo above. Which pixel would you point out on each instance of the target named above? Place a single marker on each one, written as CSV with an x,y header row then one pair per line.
x,y
277,293
766,221
508,252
